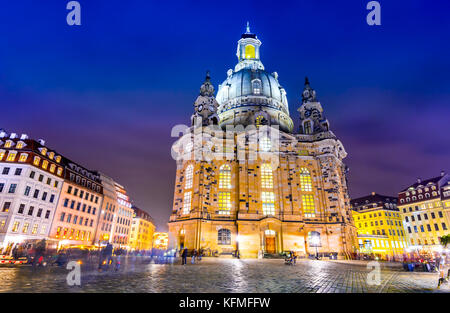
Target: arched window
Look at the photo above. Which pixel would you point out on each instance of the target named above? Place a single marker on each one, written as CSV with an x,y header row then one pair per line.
x,y
305,180
225,176
224,237
307,127
256,85
249,52
189,173
266,176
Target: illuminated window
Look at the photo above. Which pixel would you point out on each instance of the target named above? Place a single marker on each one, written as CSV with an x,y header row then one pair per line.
x,y
52,168
249,52
266,176
36,160
268,203
305,180
265,144
51,155
35,228
189,174
256,85
187,202
58,159
11,156
25,228
44,151
20,145
59,171
2,154
225,176
224,202
23,157
308,206
224,237
8,144
44,164
58,232
15,227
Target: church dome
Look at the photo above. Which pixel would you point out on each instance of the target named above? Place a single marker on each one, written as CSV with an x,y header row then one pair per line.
x,y
250,95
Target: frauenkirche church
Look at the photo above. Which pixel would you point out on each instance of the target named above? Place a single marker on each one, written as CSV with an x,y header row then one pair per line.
x,y
248,200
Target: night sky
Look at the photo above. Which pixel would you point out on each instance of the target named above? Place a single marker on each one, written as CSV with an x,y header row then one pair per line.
x,y
107,93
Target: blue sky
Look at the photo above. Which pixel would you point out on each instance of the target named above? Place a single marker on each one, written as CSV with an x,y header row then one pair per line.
x,y
107,93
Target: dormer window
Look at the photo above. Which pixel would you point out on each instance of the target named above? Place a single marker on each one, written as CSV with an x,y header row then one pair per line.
x,y
20,145
36,160
9,144
23,157
256,85
59,171
44,151
51,155
11,156
58,158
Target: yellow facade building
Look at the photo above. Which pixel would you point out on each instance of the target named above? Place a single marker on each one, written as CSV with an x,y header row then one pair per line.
x,y
425,208
160,241
379,225
247,183
142,231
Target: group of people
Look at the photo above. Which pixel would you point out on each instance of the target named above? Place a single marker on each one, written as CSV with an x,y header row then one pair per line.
x,y
196,255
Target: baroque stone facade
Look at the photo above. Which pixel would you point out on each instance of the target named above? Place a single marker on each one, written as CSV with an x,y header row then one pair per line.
x,y
245,182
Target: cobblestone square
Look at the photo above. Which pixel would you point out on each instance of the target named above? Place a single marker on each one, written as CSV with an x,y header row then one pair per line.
x,y
225,275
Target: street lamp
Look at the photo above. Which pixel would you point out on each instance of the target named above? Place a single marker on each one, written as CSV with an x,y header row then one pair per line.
x,y
315,242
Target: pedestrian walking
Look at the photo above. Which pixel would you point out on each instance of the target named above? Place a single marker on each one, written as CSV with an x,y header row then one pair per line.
x,y
184,256
194,255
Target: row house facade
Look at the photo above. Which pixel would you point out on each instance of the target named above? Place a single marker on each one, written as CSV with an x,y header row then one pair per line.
x,y
44,195
142,230
425,209
31,178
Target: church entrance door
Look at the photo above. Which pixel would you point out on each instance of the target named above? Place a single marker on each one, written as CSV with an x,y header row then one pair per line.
x,y
270,244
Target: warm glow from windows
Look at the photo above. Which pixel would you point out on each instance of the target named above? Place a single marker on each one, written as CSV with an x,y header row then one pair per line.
x,y
187,202
305,180
44,151
35,228
45,164
52,168
250,52
58,159
59,172
36,160
224,202
308,206
2,154
11,156
20,145
8,144
225,176
268,203
23,157
189,176
266,176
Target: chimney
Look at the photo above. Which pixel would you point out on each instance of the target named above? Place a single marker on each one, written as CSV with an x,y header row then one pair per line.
x,y
13,136
23,137
442,173
419,180
41,141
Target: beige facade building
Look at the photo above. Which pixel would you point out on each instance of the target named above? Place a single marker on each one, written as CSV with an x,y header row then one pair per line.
x,y
425,208
123,217
247,182
142,230
78,207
